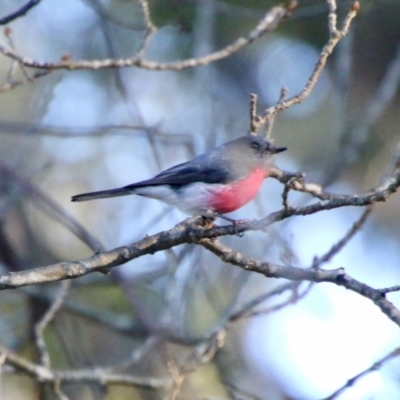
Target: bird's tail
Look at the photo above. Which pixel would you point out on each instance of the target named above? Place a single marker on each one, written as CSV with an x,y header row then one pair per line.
x,y
102,194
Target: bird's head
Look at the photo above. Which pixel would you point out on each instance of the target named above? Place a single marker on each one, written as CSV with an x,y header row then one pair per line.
x,y
251,152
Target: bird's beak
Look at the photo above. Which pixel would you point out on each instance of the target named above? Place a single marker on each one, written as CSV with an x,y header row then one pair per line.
x,y
273,150
276,150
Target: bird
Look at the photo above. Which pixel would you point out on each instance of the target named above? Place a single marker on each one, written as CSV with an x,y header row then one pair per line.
x,y
211,184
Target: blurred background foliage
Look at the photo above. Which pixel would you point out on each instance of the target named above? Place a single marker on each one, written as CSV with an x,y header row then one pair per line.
x,y
77,131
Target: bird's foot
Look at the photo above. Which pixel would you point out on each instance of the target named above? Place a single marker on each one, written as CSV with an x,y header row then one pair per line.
x,y
208,221
234,222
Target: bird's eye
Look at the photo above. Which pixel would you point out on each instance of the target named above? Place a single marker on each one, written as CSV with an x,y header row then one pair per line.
x,y
255,146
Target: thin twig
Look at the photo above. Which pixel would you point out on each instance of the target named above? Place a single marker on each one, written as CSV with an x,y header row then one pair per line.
x,y
12,84
293,299
374,367
246,310
58,391
266,24
44,322
20,12
202,353
101,376
336,276
390,289
318,261
151,29
188,231
289,185
270,123
335,36
253,114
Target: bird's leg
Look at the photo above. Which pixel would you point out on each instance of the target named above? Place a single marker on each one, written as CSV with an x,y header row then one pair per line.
x,y
231,220
234,222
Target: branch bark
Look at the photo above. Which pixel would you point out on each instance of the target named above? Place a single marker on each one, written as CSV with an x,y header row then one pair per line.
x,y
191,231
266,24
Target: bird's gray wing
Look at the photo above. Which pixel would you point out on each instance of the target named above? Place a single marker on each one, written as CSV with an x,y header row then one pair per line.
x,y
201,169
189,172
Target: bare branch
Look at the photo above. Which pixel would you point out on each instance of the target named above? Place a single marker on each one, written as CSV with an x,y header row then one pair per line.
x,y
270,123
101,376
246,311
266,24
58,391
288,186
336,276
335,35
68,270
151,29
20,12
297,182
374,367
12,84
46,319
202,353
390,289
344,240
253,113
188,231
30,129
194,230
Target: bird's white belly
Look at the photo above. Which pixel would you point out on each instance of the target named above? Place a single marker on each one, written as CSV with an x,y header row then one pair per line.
x,y
191,199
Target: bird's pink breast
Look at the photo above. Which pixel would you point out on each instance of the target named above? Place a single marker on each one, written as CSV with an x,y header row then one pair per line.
x,y
235,195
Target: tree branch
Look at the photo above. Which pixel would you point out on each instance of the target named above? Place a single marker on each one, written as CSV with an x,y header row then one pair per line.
x,y
101,376
376,366
336,276
266,24
189,231
20,12
335,35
